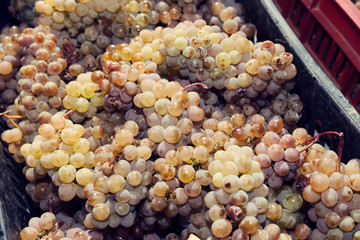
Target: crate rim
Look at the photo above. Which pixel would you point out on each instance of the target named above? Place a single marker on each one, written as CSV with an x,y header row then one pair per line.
x,y
312,65
313,68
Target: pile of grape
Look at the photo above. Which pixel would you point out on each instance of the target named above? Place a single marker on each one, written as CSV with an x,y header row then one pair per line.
x,y
164,120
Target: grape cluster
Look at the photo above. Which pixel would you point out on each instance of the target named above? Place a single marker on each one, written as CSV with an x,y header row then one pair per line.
x,y
228,63
24,11
10,58
57,151
90,24
59,226
162,119
333,191
83,95
278,154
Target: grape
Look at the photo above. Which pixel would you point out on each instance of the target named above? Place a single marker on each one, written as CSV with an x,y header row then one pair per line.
x,y
249,225
335,234
302,231
347,224
345,193
281,168
329,197
67,173
186,173
336,180
310,195
67,191
29,233
276,152
319,182
292,202
332,220
273,230
128,133
221,228
287,219
354,181
217,212
275,181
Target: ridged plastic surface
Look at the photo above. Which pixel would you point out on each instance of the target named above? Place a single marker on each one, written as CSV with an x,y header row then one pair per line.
x,y
330,30
15,206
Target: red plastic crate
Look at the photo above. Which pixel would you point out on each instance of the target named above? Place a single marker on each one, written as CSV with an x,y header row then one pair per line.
x,y
330,30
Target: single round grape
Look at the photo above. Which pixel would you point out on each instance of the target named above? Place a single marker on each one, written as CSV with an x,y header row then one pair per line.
x,y
186,173
231,183
292,202
319,182
356,235
355,181
116,183
347,224
249,225
29,233
83,176
335,234
217,212
273,211
310,195
287,220
329,198
332,219
67,191
101,211
161,189
273,230
221,228
134,178
67,173
276,152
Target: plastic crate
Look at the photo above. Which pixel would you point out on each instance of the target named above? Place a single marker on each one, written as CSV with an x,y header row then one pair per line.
x,y
325,108
330,31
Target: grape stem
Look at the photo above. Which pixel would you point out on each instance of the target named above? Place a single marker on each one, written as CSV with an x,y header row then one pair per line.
x,y
308,146
136,143
340,146
216,146
68,113
191,85
11,117
195,84
43,233
12,121
171,77
4,113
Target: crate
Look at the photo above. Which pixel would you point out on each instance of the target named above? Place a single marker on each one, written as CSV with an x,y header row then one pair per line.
x,y
330,31
6,17
325,108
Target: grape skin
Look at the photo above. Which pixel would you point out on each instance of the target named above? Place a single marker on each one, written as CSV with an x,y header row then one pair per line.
x,y
176,116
